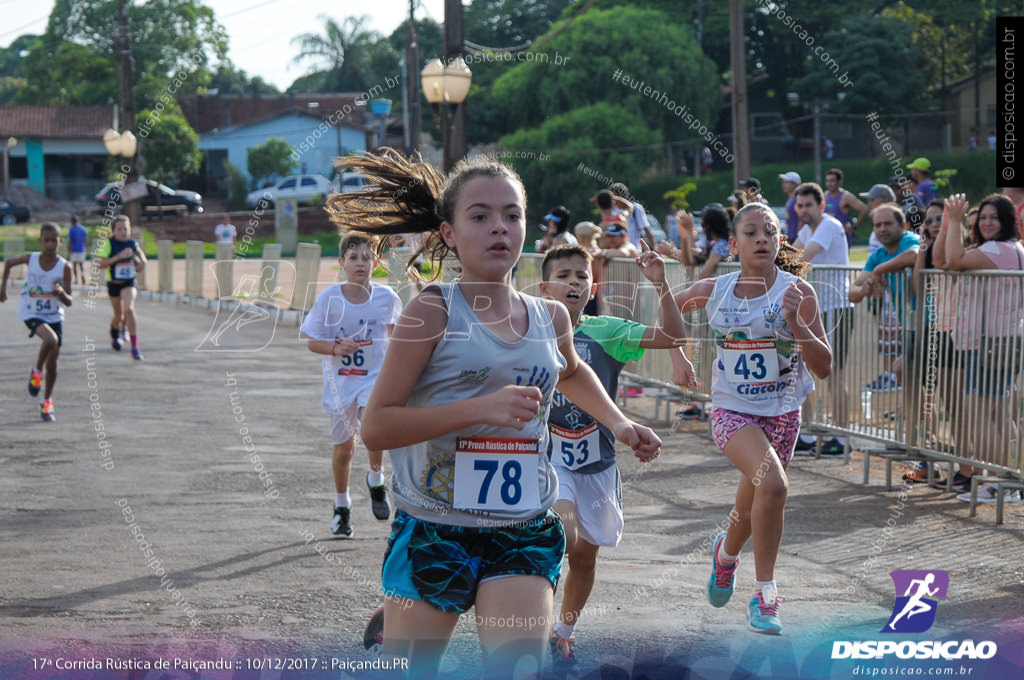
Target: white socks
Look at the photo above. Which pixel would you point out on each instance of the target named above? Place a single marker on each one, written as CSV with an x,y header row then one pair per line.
x,y
768,591
563,630
376,477
341,500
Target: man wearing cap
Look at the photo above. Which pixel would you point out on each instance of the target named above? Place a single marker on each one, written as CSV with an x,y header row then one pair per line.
x,y
752,189
840,203
913,208
926,190
876,196
616,290
637,225
790,181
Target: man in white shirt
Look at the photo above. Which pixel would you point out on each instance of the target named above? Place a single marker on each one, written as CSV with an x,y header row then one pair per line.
x,y
823,242
225,231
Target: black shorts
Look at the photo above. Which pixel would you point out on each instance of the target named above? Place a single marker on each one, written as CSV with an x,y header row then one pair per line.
x,y
945,354
114,288
839,326
57,326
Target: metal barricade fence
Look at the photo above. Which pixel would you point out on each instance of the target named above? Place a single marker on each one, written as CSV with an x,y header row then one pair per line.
x,y
932,372
971,336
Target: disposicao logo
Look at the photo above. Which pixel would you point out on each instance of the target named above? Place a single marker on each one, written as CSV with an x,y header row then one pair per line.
x,y
914,611
917,592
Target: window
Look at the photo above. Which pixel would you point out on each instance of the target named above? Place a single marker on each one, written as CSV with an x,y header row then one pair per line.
x,y
308,182
287,184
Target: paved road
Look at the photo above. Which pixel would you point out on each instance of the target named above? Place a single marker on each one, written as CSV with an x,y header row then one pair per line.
x,y
242,564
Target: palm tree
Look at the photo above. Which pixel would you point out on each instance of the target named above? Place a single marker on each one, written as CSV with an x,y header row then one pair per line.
x,y
345,52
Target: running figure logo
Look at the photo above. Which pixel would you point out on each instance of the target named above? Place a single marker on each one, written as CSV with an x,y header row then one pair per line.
x,y
914,611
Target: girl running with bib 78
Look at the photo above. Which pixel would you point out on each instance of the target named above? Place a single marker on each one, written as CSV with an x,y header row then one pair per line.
x,y
461,402
768,333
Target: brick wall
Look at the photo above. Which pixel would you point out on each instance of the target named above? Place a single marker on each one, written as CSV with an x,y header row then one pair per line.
x,y
200,227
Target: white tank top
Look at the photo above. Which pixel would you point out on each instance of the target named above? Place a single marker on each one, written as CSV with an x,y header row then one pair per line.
x,y
481,476
758,368
37,298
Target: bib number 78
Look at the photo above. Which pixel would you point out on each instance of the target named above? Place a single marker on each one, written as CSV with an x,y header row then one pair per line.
x,y
511,473
496,474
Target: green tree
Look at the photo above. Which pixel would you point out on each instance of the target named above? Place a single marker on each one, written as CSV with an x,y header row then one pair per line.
x,y
559,159
352,56
227,79
271,159
68,74
73,62
237,190
884,64
170,147
508,23
578,66
945,51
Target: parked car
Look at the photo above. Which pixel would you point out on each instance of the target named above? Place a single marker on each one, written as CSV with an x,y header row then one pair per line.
x,y
303,188
11,214
158,197
349,181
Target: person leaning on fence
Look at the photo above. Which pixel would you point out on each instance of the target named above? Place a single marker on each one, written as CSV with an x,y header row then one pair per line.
x,y
989,327
882,278
940,368
822,241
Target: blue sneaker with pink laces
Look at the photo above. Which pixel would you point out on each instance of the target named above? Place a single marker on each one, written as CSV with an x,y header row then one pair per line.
x,y
722,581
763,612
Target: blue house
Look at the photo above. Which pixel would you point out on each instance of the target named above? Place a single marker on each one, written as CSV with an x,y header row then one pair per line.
x,y
319,127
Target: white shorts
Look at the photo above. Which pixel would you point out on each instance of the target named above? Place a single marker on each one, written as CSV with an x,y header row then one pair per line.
x,y
598,501
345,424
77,257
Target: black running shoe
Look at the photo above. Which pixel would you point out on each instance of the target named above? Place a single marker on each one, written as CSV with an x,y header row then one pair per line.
x,y
378,500
374,633
115,339
341,525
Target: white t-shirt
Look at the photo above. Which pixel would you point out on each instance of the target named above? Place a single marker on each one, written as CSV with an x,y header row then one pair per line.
x,y
225,233
832,286
349,379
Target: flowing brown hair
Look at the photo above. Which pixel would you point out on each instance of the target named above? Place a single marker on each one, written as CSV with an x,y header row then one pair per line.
x,y
407,196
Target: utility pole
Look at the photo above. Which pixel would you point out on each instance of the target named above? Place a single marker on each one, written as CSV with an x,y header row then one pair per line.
x,y
133,209
454,116
817,142
412,81
740,114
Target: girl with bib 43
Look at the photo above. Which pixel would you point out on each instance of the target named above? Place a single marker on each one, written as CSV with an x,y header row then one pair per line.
x,y
768,335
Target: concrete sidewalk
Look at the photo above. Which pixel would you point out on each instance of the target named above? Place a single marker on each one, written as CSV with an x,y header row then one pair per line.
x,y
180,507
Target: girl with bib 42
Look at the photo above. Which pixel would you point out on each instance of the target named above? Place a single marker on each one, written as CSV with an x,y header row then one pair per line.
x,y
768,335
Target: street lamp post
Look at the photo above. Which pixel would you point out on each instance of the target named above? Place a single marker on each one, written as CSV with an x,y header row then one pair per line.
x,y
11,142
124,145
446,87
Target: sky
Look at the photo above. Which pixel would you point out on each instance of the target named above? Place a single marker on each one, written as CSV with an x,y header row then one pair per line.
x,y
259,31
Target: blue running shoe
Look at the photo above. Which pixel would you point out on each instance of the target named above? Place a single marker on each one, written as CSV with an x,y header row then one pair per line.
x,y
563,654
722,581
763,617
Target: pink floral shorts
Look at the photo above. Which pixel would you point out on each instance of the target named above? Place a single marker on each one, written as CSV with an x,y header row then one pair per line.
x,y
781,431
